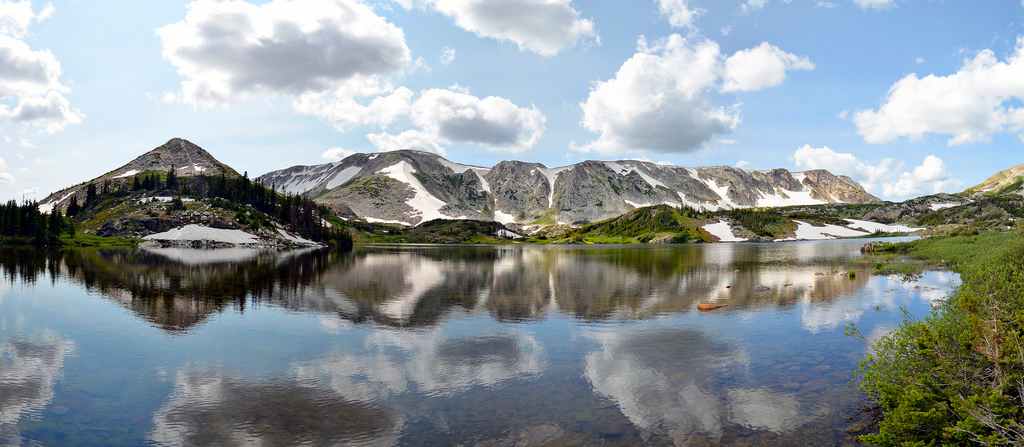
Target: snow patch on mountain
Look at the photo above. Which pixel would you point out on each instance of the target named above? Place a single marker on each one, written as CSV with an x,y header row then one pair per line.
x,y
552,175
723,192
623,169
423,202
47,208
128,173
793,198
942,206
504,218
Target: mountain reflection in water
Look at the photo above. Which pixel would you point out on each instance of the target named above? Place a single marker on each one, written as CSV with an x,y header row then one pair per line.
x,y
398,345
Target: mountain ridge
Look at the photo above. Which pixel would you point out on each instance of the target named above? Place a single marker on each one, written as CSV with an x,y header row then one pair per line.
x,y
1007,181
427,186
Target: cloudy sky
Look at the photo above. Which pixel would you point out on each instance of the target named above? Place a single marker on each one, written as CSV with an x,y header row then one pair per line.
x,y
907,96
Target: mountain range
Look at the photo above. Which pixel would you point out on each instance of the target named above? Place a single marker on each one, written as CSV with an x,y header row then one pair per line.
x,y
392,196
410,187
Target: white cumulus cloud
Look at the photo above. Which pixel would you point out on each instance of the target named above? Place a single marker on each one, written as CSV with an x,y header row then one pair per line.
x,y
981,99
760,67
888,177
545,27
495,122
224,49
444,116
753,5
31,89
875,4
17,16
678,13
359,102
337,153
660,99
447,56
409,139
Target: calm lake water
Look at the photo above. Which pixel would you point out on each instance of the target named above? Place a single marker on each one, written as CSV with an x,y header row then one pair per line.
x,y
443,345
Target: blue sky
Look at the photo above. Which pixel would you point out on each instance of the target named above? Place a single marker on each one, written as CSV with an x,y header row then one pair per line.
x,y
554,81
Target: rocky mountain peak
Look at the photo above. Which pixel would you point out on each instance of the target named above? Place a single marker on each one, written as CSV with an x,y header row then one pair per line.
x,y
829,187
185,157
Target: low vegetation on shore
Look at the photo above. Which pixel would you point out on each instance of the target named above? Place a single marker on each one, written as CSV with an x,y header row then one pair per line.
x,y
956,377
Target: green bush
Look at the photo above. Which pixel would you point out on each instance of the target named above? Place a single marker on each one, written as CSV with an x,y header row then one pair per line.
x,y
957,377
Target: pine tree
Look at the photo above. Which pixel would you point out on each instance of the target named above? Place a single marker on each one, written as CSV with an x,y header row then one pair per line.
x,y
172,179
91,198
73,207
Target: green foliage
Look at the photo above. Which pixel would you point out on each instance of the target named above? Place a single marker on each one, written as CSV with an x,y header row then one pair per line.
x,y
765,223
83,240
643,225
24,224
957,377
439,232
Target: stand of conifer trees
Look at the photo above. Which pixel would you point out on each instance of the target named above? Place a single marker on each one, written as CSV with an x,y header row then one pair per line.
x,y
23,223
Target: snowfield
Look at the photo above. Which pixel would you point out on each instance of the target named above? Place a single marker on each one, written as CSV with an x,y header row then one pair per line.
x,y
808,232
793,198
128,173
942,206
504,218
875,227
428,206
203,233
507,234
551,174
723,231
47,208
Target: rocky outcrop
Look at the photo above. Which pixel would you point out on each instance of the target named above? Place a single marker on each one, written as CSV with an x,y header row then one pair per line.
x,y
913,209
832,188
412,187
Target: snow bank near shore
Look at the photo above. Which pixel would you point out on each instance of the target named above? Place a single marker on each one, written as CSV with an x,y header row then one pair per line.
x,y
193,232
875,227
722,231
808,232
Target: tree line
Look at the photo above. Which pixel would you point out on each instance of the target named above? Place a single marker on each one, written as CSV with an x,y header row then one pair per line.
x,y
24,223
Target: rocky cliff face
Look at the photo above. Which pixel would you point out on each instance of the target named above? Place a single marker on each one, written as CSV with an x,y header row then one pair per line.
x,y
185,157
412,187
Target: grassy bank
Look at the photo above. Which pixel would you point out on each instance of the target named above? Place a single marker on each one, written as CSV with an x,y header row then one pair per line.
x,y
956,377
81,240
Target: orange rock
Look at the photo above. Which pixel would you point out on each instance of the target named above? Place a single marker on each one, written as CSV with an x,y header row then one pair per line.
x,y
706,307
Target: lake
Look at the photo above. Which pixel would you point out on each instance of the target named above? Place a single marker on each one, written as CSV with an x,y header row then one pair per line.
x,y
430,345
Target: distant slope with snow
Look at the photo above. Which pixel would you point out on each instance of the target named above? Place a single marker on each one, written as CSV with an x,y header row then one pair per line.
x,y
412,187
